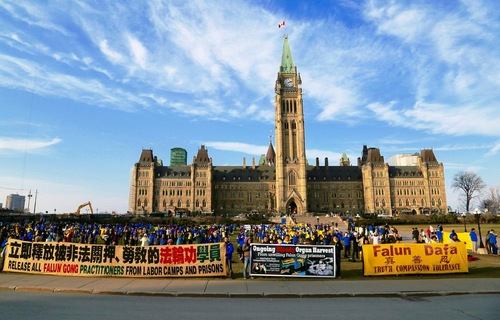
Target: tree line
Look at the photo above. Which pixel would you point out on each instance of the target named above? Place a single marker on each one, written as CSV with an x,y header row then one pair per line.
x,y
474,190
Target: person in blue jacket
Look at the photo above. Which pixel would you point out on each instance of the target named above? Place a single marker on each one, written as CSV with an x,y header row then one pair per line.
x,y
229,256
492,237
347,244
473,239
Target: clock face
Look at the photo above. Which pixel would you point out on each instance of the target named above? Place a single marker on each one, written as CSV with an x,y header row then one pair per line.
x,y
288,82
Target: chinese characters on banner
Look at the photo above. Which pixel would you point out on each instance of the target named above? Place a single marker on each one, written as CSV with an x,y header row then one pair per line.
x,y
292,260
400,258
71,259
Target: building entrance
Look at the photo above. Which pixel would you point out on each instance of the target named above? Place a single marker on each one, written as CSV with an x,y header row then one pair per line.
x,y
292,208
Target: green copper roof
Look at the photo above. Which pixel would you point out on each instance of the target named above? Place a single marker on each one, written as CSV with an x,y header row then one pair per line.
x,y
344,157
287,65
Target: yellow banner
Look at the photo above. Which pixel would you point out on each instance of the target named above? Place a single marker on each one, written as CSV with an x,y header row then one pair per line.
x,y
462,236
71,259
402,258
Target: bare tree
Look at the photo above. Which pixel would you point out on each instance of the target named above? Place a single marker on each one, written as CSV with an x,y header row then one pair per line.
x,y
470,183
491,200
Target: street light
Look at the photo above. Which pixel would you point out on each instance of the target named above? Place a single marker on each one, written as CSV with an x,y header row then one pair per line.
x,y
29,200
477,213
464,215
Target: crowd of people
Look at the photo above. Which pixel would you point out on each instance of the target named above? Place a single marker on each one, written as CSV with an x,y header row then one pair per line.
x,y
348,242
115,234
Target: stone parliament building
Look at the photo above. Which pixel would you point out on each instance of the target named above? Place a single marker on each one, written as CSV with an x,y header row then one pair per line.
x,y
283,182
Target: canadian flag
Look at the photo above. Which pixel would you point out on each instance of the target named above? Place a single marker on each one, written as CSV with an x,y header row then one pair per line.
x,y
281,24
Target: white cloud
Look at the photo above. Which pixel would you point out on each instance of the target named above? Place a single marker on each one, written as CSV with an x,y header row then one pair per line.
x,y
399,21
439,118
195,55
22,145
22,74
455,67
111,55
138,51
238,147
494,149
33,15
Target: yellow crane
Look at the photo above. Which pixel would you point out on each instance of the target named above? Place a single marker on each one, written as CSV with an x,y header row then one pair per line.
x,y
83,205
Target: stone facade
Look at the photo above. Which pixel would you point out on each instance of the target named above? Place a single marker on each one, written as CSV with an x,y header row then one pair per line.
x,y
283,181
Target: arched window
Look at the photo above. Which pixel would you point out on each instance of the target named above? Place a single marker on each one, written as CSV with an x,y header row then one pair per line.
x,y
400,202
188,203
291,178
197,203
146,203
204,203
171,202
407,202
414,202
139,202
164,204
179,203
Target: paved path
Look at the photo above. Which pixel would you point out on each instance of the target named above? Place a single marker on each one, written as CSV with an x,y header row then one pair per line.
x,y
248,288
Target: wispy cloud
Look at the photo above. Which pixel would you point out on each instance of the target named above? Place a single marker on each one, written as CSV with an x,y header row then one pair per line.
x,y
22,145
112,55
237,147
26,75
455,70
494,150
312,154
439,118
201,60
138,51
32,14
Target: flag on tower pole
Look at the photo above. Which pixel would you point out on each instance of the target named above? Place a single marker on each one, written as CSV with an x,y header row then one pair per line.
x,y
281,24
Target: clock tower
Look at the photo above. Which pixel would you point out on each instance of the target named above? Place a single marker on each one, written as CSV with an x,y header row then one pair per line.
x,y
291,178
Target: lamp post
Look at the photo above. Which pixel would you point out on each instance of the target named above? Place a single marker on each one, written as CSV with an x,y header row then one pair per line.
x,y
34,206
477,213
29,200
464,215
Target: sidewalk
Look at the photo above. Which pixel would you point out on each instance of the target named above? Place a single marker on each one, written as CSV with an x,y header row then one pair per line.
x,y
255,288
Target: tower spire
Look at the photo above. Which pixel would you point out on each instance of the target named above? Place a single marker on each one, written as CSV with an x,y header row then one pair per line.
x,y
270,155
287,65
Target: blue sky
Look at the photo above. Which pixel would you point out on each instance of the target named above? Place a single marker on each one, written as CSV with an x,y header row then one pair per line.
x,y
85,85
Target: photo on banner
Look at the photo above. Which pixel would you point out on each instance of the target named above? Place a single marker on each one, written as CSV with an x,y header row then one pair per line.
x,y
275,260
